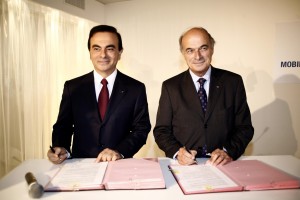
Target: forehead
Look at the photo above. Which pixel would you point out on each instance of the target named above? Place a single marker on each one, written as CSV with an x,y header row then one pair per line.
x,y
104,39
195,38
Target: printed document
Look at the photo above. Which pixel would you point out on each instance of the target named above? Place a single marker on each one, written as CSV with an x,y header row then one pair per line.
x,y
82,174
202,179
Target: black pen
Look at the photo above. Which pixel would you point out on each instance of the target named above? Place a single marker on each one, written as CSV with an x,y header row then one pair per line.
x,y
191,154
52,149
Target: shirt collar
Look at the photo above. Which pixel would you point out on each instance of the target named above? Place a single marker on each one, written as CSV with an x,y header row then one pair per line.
x,y
206,75
110,79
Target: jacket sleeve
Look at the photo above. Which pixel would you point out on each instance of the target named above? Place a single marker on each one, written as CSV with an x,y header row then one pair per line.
x,y
139,128
162,131
63,128
243,131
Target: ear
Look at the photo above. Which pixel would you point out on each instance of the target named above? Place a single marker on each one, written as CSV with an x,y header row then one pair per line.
x,y
120,53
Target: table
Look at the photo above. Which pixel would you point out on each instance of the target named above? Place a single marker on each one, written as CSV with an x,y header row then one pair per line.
x,y
13,185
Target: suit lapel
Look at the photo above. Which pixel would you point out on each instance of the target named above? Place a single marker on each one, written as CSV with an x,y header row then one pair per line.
x,y
190,94
214,91
89,96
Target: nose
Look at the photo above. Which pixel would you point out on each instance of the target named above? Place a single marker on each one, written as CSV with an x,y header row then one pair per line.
x,y
197,54
102,53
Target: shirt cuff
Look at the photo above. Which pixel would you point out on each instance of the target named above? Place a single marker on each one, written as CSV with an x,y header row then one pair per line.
x,y
68,154
175,155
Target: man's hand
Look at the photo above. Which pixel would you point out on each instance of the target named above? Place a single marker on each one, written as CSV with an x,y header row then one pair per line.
x,y
219,157
58,156
108,155
186,157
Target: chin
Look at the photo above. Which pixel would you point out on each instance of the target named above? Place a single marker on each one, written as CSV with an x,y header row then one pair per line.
x,y
200,68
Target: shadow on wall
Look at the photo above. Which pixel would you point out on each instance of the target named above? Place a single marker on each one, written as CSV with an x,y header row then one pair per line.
x,y
274,134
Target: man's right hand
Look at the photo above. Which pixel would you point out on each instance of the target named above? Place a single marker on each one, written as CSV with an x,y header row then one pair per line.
x,y
185,157
58,156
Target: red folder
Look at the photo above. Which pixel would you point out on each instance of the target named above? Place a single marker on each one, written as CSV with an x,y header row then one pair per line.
x,y
236,176
134,174
85,174
257,175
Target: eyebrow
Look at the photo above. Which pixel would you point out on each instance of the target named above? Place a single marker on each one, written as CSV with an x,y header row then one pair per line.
x,y
204,45
95,45
110,45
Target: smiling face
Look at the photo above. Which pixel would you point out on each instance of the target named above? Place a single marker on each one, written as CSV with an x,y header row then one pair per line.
x,y
197,50
104,52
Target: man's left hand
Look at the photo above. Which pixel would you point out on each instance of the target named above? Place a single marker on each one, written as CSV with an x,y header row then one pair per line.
x,y
219,157
108,155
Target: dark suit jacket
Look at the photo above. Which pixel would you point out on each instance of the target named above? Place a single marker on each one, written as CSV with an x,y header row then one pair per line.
x,y
125,127
181,122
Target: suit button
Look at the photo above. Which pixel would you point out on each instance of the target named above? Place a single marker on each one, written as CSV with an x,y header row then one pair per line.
x,y
205,125
101,145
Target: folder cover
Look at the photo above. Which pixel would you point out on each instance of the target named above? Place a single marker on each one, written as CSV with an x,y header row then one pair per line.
x,y
134,174
257,175
235,176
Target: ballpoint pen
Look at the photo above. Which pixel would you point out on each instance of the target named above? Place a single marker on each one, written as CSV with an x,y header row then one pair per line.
x,y
191,154
52,149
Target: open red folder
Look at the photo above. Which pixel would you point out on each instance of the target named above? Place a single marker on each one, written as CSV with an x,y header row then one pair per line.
x,y
257,175
85,174
134,174
236,176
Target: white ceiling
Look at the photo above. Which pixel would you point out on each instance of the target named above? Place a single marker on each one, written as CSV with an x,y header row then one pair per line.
x,y
110,1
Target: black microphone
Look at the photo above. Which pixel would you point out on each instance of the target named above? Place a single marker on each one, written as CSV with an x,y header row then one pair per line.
x,y
35,190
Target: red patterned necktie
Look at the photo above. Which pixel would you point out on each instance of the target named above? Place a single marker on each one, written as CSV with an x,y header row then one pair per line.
x,y
103,98
202,94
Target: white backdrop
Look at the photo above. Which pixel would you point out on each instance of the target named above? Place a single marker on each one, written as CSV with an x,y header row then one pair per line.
x,y
40,49
246,34
43,47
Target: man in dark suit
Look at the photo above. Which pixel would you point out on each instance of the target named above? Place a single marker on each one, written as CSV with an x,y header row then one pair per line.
x,y
117,130
216,121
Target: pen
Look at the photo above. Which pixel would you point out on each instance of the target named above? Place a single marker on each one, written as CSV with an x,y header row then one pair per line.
x,y
191,153
52,149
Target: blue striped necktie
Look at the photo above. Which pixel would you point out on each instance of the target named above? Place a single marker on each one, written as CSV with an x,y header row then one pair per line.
x,y
202,94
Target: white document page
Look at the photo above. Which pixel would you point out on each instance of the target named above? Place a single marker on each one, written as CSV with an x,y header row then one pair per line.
x,y
79,175
202,179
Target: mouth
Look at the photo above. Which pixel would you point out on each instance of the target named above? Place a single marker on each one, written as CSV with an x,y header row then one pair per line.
x,y
199,62
103,62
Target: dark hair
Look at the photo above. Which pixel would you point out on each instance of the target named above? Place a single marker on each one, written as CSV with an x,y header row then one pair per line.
x,y
105,28
211,39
